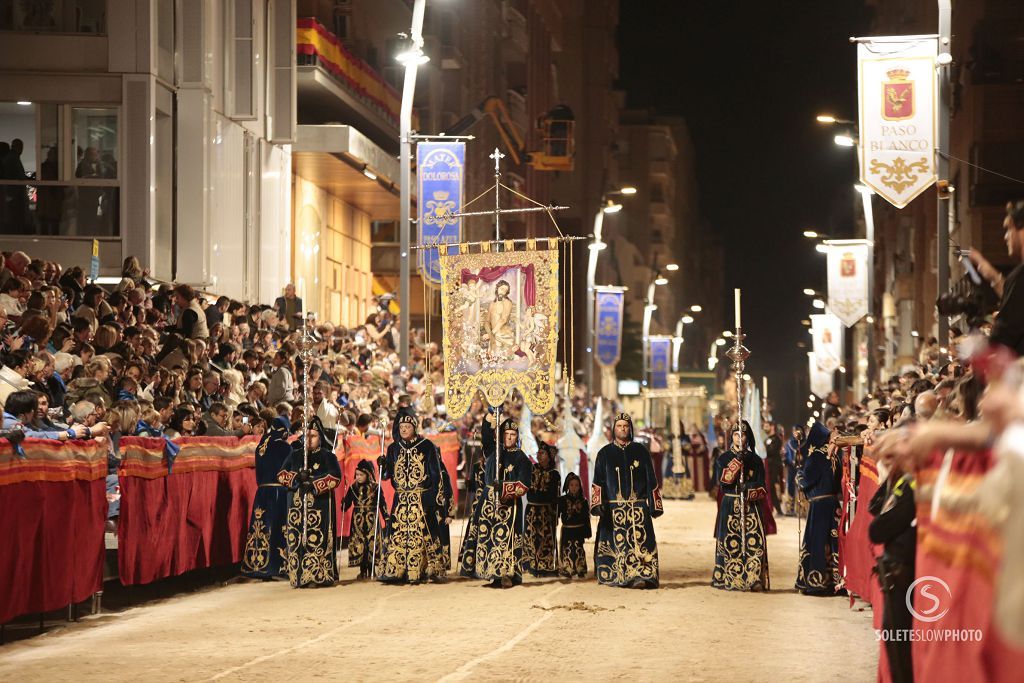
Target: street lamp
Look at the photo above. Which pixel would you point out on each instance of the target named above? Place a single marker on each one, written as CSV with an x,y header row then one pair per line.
x,y
649,308
829,119
597,245
410,58
672,267
819,304
696,308
810,292
844,140
811,234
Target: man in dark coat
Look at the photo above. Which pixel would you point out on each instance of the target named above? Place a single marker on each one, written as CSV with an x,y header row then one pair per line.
x,y
625,496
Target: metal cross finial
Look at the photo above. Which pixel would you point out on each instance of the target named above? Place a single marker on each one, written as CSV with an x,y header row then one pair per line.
x,y
497,156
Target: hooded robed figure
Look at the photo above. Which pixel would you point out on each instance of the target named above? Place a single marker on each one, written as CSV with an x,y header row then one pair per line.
x,y
819,479
542,514
412,540
498,512
310,530
572,509
741,553
367,506
625,496
264,544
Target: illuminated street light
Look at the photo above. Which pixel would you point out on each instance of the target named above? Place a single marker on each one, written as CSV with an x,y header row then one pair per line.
x,y
821,248
612,207
810,234
661,280
719,342
628,189
597,246
819,304
686,319
809,292
696,308
844,140
672,267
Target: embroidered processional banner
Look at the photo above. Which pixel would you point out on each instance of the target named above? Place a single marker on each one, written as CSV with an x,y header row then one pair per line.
x,y
500,324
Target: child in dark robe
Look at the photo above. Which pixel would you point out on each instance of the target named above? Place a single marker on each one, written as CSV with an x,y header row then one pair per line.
x,y
365,527
575,518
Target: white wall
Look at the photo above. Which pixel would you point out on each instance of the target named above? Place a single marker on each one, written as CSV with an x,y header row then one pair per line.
x,y
275,235
227,209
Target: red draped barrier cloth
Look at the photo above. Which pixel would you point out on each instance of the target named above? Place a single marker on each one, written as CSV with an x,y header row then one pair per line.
x,y
368,448
961,545
53,505
857,553
195,517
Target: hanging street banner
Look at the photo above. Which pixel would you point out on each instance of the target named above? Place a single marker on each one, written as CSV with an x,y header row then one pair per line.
x,y
499,323
898,115
608,301
848,279
440,168
661,359
821,381
827,335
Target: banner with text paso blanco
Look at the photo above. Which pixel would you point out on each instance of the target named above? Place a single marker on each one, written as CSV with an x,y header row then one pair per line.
x,y
827,336
821,381
848,279
898,115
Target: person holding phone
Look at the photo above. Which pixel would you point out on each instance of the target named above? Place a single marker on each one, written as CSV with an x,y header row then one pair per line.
x,y
1008,329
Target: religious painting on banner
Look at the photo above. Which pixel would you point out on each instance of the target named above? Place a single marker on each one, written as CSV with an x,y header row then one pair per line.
x,y
440,168
898,115
821,380
500,324
661,357
827,337
609,302
848,280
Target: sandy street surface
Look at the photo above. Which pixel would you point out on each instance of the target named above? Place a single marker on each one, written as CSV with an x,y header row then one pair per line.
x,y
547,629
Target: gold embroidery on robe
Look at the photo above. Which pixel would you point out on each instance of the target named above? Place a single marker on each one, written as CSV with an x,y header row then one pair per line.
x,y
631,560
257,546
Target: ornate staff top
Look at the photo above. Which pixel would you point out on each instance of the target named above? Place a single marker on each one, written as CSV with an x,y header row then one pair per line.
x,y
307,350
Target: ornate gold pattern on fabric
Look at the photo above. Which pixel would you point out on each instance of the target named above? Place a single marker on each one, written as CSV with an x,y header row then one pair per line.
x,y
739,571
494,347
317,563
572,558
257,545
631,559
499,558
411,551
595,496
541,528
364,517
899,175
286,477
327,483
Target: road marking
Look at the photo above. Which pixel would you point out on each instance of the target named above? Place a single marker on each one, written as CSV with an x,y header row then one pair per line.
x,y
312,641
464,671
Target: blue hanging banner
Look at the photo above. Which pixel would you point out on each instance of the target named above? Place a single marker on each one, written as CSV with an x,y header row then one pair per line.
x,y
440,167
661,359
608,301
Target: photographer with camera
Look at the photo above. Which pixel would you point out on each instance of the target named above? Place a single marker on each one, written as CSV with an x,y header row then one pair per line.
x,y
1008,329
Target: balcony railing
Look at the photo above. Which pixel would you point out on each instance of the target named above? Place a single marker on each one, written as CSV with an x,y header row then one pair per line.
x,y
316,46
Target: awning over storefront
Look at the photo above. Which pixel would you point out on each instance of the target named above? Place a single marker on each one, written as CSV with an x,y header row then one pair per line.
x,y
348,165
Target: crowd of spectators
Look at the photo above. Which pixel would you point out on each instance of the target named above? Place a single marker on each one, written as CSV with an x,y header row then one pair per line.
x,y
82,361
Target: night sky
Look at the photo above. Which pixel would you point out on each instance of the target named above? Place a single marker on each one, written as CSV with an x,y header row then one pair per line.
x,y
750,78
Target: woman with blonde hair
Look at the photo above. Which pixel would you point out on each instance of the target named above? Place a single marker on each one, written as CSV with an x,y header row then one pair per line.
x,y
235,393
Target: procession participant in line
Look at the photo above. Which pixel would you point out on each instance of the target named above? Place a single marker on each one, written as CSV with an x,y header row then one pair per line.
x,y
575,518
700,467
475,464
741,552
364,531
819,480
773,459
793,461
265,548
444,498
542,514
412,540
625,497
311,478
498,514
